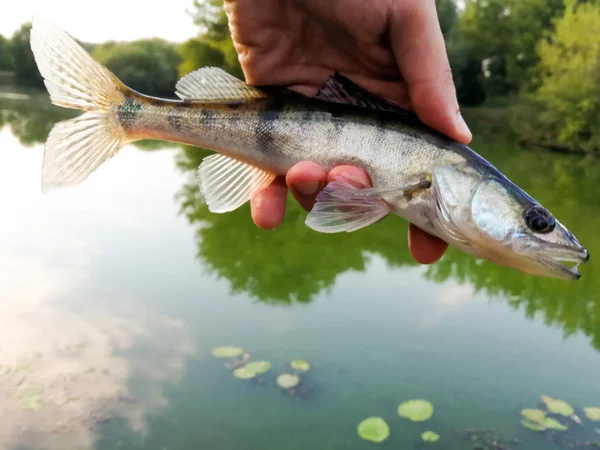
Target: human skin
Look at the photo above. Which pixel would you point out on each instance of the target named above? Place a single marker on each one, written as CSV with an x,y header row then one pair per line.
x,y
393,48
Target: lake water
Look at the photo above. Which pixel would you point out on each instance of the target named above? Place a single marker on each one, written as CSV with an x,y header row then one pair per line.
x,y
114,293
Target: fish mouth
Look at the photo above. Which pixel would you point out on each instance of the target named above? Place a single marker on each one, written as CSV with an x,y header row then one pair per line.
x,y
565,262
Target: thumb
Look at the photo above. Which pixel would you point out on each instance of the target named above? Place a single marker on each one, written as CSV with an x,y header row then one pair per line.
x,y
418,45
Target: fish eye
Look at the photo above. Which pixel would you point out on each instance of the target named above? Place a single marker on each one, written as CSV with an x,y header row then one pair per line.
x,y
539,220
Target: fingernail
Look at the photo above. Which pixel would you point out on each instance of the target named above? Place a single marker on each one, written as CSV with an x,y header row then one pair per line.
x,y
462,128
308,188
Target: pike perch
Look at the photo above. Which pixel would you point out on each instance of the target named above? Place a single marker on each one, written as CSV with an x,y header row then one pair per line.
x,y
441,186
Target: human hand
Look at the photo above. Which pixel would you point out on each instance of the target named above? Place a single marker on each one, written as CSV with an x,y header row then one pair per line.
x,y
392,48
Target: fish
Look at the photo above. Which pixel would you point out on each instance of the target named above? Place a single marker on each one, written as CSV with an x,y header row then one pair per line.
x,y
259,132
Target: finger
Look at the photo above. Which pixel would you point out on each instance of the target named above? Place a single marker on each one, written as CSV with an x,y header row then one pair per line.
x,y
268,205
425,248
418,45
305,180
356,176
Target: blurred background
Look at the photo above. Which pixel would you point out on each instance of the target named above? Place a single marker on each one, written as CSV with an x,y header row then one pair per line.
x,y
113,294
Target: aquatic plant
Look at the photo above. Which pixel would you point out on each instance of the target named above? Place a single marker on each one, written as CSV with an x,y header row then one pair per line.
x,y
592,413
227,351
416,410
534,415
560,407
31,397
258,367
373,429
535,426
243,373
554,424
300,365
430,436
288,381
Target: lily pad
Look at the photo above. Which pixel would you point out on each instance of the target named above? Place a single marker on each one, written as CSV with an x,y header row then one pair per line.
x,y
288,381
373,429
258,367
532,425
227,351
554,424
244,374
535,415
31,397
592,413
560,407
300,365
430,436
416,410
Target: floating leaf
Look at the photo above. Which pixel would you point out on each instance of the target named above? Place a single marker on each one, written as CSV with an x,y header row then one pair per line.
x,y
416,410
31,397
546,399
535,415
288,381
373,429
244,374
300,365
227,351
560,407
592,413
430,436
258,367
554,424
532,425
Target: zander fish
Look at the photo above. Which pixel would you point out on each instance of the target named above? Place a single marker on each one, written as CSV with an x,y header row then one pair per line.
x,y
443,187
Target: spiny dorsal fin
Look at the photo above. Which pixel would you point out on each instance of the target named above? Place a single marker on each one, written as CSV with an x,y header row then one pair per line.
x,y
339,89
227,183
212,84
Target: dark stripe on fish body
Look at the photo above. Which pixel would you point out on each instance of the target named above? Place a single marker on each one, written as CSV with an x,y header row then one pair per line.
x,y
174,120
264,127
129,111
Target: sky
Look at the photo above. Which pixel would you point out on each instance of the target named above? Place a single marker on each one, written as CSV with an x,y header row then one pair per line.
x,y
106,19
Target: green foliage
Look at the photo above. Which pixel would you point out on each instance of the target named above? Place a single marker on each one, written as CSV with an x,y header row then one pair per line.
x,y
416,410
568,98
213,46
6,54
147,65
25,68
227,351
430,436
373,429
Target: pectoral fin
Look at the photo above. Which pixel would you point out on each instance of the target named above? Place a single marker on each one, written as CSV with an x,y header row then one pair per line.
x,y
227,183
344,207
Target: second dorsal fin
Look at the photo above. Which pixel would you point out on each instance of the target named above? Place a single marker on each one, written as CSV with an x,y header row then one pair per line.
x,y
212,84
339,89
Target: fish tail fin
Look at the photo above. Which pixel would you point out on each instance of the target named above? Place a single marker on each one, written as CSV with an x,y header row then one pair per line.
x,y
76,147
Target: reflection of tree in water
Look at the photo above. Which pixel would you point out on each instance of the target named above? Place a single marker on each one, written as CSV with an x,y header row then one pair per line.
x,y
32,119
294,263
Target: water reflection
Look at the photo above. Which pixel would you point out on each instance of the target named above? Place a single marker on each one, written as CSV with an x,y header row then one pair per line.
x,y
294,264
69,352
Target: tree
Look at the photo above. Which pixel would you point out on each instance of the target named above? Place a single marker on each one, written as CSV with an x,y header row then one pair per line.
x,y
213,46
6,57
25,68
569,75
147,65
502,36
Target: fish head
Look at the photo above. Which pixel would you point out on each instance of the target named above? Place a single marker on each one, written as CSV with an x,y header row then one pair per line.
x,y
483,213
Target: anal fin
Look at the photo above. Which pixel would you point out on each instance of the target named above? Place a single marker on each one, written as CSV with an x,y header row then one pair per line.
x,y
344,207
227,183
